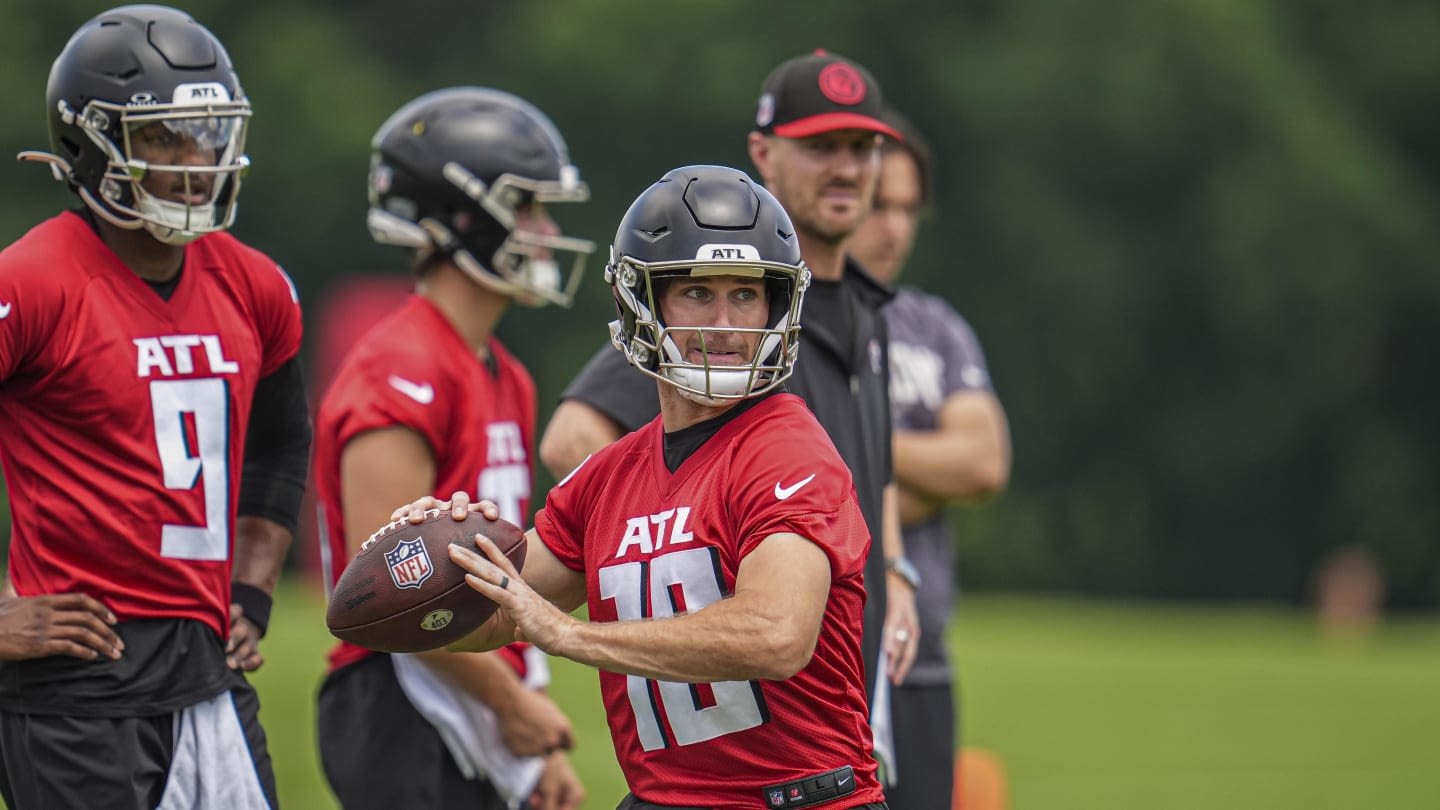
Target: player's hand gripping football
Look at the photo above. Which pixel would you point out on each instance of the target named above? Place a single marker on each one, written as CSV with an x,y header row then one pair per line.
x,y
70,624
491,574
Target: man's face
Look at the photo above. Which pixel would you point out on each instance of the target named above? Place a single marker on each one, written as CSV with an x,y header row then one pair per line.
x,y
715,303
883,241
825,181
161,145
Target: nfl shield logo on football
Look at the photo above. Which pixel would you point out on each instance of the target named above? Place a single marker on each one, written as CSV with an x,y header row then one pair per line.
x,y
777,798
409,564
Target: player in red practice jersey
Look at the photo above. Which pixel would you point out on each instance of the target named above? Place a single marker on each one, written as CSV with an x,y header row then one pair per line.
x,y
148,360
720,548
464,176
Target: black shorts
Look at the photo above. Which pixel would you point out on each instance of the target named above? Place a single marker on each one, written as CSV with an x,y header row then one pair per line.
x,y
58,760
923,718
379,752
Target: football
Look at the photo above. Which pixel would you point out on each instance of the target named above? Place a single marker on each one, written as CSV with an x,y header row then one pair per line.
x,y
402,593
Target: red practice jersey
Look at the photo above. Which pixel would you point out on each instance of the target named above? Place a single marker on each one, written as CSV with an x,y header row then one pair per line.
x,y
414,370
653,544
133,409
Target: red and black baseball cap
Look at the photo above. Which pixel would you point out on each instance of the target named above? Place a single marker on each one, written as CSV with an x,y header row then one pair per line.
x,y
820,92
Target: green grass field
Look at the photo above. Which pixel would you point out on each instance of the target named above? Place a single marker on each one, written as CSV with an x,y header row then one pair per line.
x,y
1089,704
1105,705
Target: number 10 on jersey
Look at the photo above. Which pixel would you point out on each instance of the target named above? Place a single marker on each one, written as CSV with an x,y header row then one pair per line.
x,y
678,582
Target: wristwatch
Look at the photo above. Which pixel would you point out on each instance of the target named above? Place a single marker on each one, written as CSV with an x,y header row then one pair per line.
x,y
904,569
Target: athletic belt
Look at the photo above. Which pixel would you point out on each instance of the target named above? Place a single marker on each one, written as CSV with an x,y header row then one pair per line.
x,y
811,790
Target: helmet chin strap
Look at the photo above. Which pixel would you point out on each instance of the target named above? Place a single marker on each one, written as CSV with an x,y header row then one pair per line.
x,y
542,274
732,385
693,381
172,232
534,284
171,236
169,222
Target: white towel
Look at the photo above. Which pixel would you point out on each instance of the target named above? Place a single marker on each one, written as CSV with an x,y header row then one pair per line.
x,y
881,726
469,727
212,768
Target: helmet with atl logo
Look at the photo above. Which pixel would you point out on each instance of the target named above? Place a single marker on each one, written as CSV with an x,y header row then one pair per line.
x,y
147,122
706,221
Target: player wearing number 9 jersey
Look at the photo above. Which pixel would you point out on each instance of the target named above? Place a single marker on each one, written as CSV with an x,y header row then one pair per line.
x,y
720,549
140,402
154,437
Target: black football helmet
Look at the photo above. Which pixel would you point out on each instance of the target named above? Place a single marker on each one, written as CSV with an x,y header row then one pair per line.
x,y
448,173
121,74
697,221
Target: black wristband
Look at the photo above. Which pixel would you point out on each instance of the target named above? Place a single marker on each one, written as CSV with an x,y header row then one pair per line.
x,y
254,603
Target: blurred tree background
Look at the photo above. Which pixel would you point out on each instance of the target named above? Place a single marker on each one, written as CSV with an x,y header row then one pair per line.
x,y
1198,239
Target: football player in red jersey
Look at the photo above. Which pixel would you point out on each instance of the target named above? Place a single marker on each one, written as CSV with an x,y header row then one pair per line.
x,y
720,548
149,359
464,176
815,144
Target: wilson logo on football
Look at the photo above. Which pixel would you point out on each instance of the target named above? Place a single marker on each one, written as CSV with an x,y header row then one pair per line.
x,y
409,564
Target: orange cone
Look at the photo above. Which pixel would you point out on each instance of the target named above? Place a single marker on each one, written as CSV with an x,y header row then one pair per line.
x,y
979,781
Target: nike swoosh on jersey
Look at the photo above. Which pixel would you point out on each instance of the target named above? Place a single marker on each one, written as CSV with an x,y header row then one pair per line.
x,y
421,393
839,782
784,492
5,310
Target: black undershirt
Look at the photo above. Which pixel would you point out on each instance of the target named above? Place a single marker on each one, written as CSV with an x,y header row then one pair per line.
x,y
165,289
681,444
168,664
277,448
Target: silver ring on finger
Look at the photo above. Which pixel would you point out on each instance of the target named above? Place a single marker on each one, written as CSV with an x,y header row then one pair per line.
x,y
902,635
